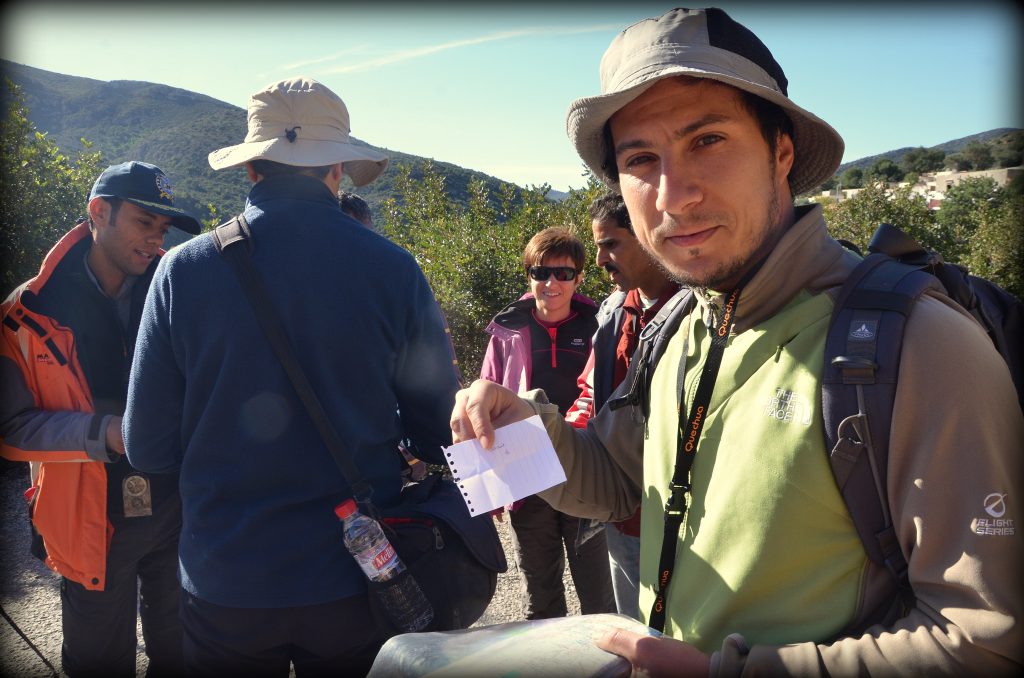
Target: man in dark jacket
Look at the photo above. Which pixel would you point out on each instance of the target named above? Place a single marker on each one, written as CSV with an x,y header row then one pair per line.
x,y
267,579
643,288
111,531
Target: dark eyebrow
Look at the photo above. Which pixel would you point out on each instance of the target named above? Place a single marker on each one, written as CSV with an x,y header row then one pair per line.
x,y
603,241
709,119
153,217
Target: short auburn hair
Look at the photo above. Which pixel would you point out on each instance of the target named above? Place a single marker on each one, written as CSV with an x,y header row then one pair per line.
x,y
556,241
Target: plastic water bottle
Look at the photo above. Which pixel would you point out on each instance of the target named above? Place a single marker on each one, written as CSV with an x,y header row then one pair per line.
x,y
406,606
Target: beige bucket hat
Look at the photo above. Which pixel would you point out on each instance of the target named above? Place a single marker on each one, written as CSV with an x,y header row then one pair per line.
x,y
301,122
699,43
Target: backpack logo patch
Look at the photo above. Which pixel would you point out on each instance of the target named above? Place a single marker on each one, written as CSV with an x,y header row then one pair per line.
x,y
787,406
995,506
865,331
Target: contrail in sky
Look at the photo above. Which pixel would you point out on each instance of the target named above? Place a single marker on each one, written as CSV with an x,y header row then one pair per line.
x,y
329,57
416,53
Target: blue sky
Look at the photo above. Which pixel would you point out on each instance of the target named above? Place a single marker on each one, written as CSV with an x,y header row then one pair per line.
x,y
486,86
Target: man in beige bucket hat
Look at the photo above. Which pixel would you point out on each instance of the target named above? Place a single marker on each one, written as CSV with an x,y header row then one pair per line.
x,y
267,581
301,123
750,561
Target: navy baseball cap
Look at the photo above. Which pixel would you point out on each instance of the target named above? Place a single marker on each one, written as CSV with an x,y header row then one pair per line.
x,y
147,187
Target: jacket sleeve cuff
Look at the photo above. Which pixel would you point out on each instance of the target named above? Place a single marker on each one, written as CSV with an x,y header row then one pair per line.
x,y
730,659
737,658
536,398
548,411
96,439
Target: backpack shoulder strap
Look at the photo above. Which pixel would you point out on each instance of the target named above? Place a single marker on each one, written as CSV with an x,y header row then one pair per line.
x,y
231,232
653,340
862,355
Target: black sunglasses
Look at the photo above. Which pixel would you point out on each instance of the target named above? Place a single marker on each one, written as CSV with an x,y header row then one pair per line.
x,y
542,273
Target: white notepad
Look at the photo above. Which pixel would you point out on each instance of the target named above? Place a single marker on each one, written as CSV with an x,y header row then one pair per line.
x,y
521,462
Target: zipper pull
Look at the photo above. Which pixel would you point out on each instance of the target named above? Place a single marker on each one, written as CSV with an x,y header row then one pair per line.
x,y
438,539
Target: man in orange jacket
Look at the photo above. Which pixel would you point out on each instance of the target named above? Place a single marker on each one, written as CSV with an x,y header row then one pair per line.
x,y
68,336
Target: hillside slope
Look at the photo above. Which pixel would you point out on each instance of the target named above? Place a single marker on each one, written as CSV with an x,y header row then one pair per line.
x,y
175,129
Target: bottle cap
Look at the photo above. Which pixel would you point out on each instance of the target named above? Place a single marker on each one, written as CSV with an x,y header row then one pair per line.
x,y
345,509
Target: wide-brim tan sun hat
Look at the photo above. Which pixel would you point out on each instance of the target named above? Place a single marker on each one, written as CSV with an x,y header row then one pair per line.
x,y
699,43
301,122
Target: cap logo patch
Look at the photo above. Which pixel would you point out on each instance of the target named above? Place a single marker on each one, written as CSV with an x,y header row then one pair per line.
x,y
163,184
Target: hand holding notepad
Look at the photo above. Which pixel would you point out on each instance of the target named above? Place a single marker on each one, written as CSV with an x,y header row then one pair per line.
x,y
521,462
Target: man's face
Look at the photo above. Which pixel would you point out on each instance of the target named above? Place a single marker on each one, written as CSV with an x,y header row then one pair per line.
x,y
619,253
130,240
706,197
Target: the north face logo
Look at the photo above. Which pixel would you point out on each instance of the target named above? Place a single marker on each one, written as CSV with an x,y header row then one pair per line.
x,y
787,406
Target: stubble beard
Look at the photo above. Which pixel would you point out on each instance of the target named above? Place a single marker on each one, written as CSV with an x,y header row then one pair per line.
x,y
730,271
123,261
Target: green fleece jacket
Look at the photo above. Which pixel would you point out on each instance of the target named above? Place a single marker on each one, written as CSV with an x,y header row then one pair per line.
x,y
768,568
769,550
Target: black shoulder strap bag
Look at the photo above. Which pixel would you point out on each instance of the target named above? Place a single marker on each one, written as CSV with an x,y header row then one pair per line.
x,y
454,557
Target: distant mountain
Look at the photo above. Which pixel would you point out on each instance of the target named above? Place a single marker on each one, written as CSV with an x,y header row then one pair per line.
x,y
954,146
176,129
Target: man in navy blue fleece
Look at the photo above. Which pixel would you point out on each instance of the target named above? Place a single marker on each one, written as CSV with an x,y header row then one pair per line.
x,y
267,580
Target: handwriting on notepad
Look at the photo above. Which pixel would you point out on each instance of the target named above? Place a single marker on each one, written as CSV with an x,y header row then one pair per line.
x,y
521,462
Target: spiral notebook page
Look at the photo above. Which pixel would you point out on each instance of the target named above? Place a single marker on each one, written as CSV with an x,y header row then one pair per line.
x,y
522,462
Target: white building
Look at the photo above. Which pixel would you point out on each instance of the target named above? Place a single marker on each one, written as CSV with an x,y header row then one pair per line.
x,y
932,186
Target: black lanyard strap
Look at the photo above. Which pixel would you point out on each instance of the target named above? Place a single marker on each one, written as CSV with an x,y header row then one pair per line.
x,y
688,437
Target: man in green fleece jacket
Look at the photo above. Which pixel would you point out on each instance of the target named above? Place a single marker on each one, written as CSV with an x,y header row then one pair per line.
x,y
694,127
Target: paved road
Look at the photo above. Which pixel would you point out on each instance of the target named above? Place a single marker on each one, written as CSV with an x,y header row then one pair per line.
x,y
29,590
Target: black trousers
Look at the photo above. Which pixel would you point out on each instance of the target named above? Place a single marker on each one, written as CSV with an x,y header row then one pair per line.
x,y
142,574
331,639
538,535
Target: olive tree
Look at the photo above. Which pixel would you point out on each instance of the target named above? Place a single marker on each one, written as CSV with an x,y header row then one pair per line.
x,y
43,192
472,254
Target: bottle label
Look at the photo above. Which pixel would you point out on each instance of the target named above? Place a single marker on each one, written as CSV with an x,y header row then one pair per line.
x,y
383,558
381,564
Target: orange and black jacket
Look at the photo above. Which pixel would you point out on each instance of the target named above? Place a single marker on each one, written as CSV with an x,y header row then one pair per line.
x,y
64,363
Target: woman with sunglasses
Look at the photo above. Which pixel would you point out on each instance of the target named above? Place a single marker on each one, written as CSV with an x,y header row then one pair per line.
x,y
542,341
